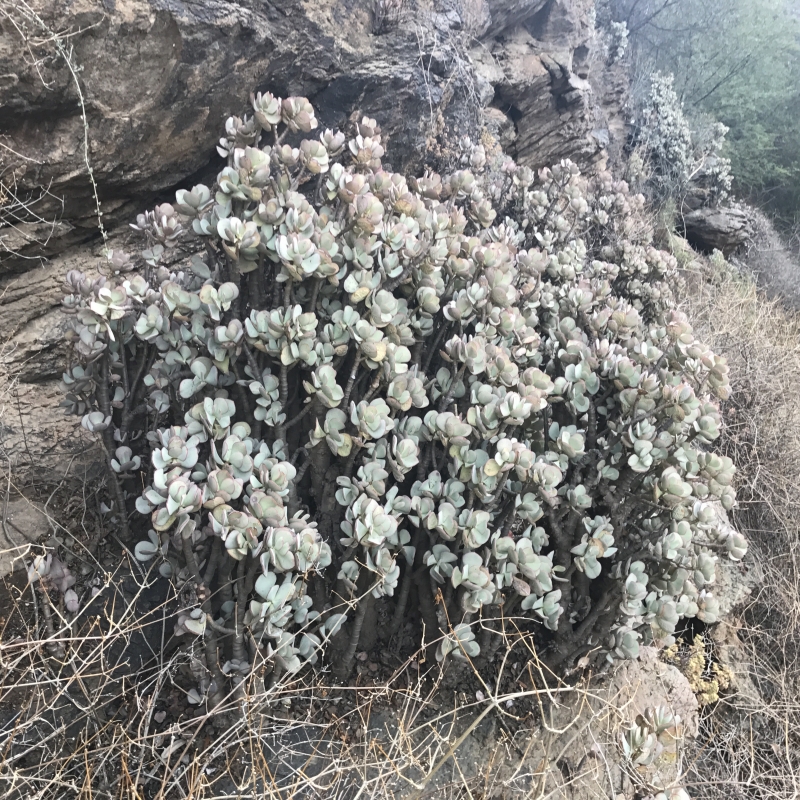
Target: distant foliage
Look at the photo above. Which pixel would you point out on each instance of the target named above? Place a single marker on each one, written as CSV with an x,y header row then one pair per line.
x,y
474,383
737,61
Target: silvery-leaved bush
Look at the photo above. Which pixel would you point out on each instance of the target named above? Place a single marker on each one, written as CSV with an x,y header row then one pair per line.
x,y
677,156
476,384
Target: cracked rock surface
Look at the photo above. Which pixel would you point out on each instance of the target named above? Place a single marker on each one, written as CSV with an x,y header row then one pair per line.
x,y
158,78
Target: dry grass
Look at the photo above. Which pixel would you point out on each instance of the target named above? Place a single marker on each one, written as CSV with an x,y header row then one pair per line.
x,y
93,707
772,261
750,743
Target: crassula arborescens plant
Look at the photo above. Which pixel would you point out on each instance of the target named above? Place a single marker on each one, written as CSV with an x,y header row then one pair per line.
x,y
364,388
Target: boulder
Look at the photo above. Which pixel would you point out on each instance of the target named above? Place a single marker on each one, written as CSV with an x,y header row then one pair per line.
x,y
723,229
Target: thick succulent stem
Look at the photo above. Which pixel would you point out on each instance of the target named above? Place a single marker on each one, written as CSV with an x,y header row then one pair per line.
x,y
433,347
280,431
241,610
225,583
312,303
405,590
491,636
427,606
255,285
313,405
108,444
345,666
351,380
213,561
210,643
402,603
447,399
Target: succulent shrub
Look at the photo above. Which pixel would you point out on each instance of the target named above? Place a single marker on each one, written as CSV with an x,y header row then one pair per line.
x,y
473,384
658,727
654,737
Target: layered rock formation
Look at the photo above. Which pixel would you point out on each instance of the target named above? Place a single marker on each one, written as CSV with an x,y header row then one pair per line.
x,y
157,80
718,228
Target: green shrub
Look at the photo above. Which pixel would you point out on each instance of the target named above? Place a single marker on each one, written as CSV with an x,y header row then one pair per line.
x,y
366,382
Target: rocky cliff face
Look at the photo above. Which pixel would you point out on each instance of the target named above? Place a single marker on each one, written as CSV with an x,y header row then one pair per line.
x,y
157,80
